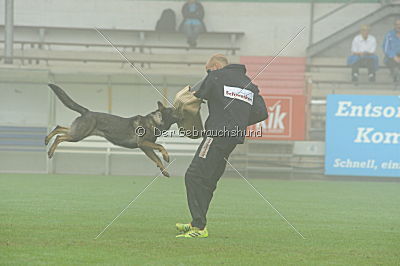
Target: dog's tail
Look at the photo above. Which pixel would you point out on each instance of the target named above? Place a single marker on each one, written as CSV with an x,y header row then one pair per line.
x,y
67,101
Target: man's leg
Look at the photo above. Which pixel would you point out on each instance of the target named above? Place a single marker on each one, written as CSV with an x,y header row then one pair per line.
x,y
203,174
354,62
197,196
396,70
218,173
196,30
187,30
355,67
208,193
195,190
393,66
369,63
191,33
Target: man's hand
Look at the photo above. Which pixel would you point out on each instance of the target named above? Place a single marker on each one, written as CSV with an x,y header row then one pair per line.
x,y
397,59
193,92
200,99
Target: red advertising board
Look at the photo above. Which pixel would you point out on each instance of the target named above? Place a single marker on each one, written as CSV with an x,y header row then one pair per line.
x,y
286,119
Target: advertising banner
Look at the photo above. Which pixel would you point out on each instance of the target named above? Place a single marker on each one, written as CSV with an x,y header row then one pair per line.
x,y
286,119
363,135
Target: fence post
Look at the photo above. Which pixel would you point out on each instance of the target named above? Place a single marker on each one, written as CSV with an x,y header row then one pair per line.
x,y
311,28
9,31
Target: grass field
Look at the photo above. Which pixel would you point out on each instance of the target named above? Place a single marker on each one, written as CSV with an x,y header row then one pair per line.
x,y
53,219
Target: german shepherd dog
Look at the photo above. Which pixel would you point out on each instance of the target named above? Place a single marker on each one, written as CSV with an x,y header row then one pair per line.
x,y
117,130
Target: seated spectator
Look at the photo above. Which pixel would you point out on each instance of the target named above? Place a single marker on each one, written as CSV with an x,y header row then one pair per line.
x,y
391,48
167,21
192,24
363,54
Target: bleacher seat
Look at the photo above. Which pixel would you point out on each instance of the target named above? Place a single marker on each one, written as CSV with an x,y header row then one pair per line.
x,y
331,75
134,40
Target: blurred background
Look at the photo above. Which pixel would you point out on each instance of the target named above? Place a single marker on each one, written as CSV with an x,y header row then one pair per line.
x,y
55,41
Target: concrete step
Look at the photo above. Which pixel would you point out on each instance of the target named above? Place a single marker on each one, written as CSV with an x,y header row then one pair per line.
x,y
320,92
111,57
345,76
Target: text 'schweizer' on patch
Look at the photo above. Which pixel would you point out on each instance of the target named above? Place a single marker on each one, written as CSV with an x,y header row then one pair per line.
x,y
239,94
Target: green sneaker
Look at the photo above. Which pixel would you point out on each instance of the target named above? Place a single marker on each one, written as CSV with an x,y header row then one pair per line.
x,y
183,228
194,232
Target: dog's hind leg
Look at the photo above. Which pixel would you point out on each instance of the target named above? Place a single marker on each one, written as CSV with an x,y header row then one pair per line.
x,y
58,140
56,130
155,146
153,156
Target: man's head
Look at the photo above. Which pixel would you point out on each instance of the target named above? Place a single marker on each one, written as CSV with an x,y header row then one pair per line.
x,y
397,25
216,61
364,30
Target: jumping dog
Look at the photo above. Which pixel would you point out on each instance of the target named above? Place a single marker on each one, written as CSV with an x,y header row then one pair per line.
x,y
117,130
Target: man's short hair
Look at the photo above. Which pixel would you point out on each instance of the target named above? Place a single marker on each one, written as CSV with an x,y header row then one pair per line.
x,y
365,27
218,58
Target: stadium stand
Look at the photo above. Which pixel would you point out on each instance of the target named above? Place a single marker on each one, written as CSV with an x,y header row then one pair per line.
x,y
384,12
47,56
49,38
331,75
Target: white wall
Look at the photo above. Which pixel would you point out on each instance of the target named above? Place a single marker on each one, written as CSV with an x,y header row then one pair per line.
x,y
23,104
23,97
268,26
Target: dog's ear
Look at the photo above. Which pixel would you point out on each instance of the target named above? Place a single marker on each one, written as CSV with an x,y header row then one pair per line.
x,y
160,106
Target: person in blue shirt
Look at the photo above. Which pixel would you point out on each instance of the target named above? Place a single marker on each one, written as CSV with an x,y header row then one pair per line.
x,y
391,48
192,24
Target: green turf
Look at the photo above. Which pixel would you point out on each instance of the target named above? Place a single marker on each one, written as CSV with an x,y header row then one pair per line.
x,y
52,219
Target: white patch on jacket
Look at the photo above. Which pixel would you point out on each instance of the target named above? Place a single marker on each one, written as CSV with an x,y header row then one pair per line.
x,y
239,93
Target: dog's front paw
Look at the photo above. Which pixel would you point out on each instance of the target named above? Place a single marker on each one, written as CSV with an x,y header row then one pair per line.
x,y
165,156
165,173
46,141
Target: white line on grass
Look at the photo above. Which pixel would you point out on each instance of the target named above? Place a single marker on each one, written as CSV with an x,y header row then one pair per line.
x,y
267,201
152,181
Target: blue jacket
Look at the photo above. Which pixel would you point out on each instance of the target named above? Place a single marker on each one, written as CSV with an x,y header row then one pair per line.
x,y
391,44
193,13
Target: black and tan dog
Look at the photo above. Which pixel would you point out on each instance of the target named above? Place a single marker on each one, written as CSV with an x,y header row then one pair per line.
x,y
118,130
